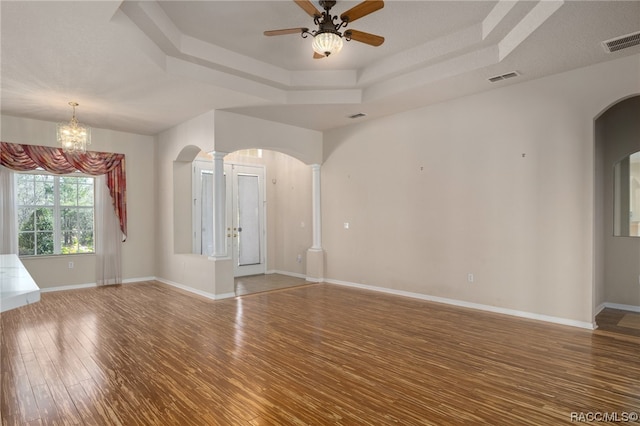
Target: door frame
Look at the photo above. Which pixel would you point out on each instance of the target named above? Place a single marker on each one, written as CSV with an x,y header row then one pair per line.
x,y
232,170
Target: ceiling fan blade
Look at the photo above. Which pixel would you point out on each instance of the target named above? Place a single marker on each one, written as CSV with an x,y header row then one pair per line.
x,y
285,31
362,9
362,37
316,55
308,7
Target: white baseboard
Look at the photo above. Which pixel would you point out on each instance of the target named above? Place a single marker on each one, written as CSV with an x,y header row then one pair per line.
x,y
196,291
67,287
464,304
89,285
137,280
599,309
287,273
619,306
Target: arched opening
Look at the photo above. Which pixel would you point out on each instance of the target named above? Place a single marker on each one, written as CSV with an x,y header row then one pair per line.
x,y
268,211
182,211
617,252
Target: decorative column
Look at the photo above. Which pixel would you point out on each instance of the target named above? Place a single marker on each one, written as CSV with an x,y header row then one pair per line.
x,y
316,207
315,255
219,206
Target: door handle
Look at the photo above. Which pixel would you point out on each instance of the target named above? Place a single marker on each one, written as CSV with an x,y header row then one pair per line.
x,y
239,229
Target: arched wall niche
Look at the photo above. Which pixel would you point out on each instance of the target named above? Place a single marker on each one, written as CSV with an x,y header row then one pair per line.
x,y
182,215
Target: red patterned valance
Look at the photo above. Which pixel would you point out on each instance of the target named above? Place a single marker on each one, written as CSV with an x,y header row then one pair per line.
x,y
29,157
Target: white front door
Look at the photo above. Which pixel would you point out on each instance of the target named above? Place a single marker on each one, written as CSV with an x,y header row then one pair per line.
x,y
246,224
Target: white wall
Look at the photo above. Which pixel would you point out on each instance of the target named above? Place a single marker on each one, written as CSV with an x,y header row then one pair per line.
x,y
236,131
618,137
436,193
223,132
138,260
174,264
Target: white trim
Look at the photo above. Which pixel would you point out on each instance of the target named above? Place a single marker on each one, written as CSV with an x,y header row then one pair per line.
x,y
67,287
620,306
196,291
464,304
599,309
137,280
142,279
89,285
290,274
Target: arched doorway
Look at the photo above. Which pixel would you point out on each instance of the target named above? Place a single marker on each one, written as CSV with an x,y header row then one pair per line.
x,y
617,253
274,186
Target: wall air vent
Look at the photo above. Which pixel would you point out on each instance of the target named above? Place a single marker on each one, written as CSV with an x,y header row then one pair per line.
x,y
504,76
621,42
358,115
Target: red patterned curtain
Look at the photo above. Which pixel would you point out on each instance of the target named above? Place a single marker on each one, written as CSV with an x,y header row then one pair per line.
x,y
55,160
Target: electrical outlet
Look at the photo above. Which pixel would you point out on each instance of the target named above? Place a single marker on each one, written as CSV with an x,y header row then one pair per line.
x,y
346,225
70,265
470,278
299,258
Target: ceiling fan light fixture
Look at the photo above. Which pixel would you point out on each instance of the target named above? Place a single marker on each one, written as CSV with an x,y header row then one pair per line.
x,y
327,42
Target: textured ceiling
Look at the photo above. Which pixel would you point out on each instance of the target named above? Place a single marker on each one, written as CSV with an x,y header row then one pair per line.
x,y
146,66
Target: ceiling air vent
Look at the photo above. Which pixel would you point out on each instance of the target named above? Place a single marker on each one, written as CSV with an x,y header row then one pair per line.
x,y
358,115
621,42
504,76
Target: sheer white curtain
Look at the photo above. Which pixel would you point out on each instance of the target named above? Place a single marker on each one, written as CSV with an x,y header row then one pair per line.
x,y
108,237
8,219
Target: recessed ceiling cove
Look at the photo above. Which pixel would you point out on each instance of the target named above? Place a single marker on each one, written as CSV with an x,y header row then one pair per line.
x,y
144,66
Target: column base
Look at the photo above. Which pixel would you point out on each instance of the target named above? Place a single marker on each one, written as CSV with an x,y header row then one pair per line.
x,y
315,265
224,280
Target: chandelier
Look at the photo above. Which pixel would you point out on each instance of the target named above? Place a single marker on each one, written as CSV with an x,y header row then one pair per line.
x,y
73,136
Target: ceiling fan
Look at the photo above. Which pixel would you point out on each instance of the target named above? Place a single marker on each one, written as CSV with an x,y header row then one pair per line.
x,y
328,39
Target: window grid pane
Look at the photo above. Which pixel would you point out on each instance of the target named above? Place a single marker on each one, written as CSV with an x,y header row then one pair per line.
x,y
55,214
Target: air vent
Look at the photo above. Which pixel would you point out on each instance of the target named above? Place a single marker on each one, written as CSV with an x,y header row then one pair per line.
x,y
358,115
504,76
621,42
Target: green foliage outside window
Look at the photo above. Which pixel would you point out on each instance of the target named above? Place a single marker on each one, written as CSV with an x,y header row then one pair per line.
x,y
55,214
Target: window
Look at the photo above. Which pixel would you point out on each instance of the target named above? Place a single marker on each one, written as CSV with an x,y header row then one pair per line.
x,y
55,214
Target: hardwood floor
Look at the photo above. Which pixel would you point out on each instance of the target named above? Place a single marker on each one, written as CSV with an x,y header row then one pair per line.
x,y
617,321
266,282
145,354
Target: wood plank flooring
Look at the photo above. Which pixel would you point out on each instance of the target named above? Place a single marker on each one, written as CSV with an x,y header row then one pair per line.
x,y
145,354
613,320
267,282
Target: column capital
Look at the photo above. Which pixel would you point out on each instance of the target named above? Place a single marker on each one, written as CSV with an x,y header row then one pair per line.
x,y
218,155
